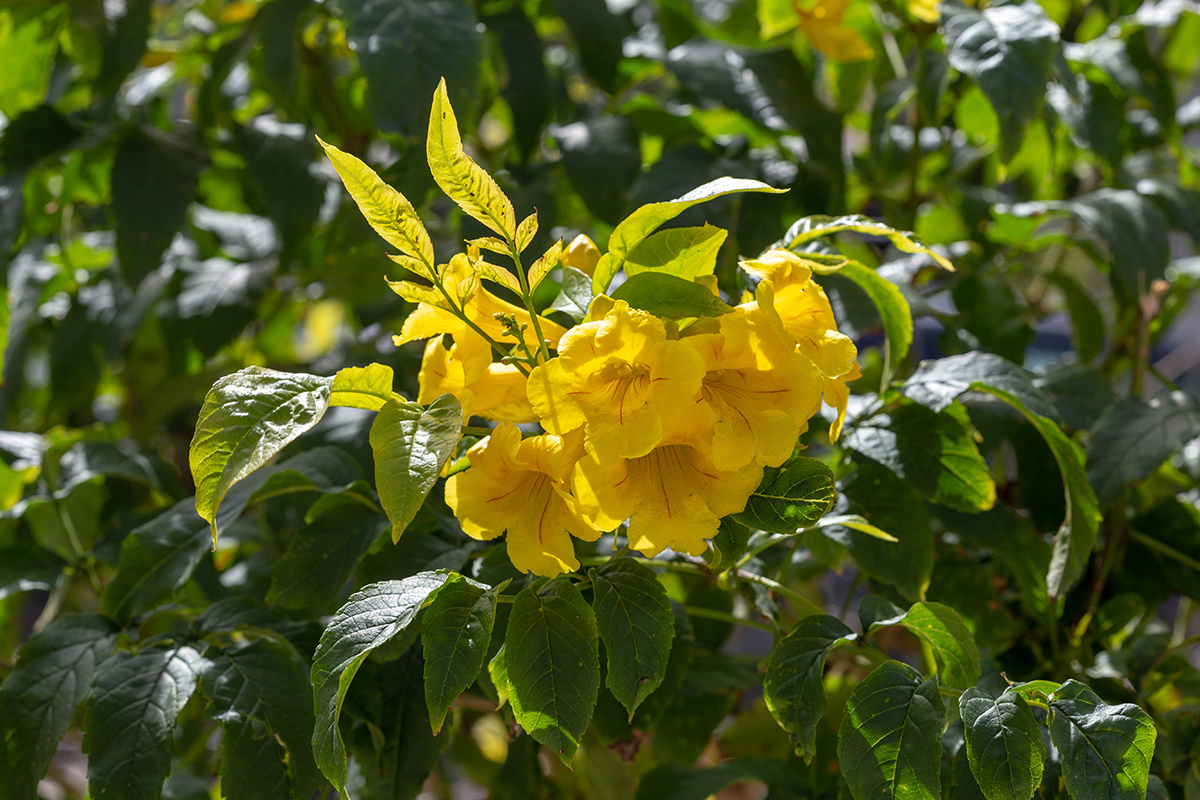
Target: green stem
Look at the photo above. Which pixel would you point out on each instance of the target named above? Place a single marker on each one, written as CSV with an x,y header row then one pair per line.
x,y
458,312
721,616
1165,549
800,600
527,297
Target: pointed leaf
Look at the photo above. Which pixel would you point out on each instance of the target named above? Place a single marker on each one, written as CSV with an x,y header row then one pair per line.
x,y
259,692
553,665
131,714
1004,744
368,620
790,497
949,638
794,686
28,568
526,231
670,297
322,556
467,184
634,619
1105,750
809,229
575,295
685,252
1133,438
893,311
890,736
386,210
39,697
411,446
541,268
367,387
455,637
246,419
938,383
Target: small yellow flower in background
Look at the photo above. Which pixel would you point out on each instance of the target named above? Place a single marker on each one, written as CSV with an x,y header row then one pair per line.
x,y
674,496
581,254
787,291
925,10
826,30
521,486
617,377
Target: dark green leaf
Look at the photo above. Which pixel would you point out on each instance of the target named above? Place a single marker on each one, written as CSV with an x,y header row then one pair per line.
x,y
87,460
322,556
934,451
937,384
528,91
28,568
1004,744
790,497
279,35
598,33
153,180
247,418
949,639
553,665
602,158
156,559
131,713
455,636
668,296
259,692
1131,232
368,620
891,734
405,47
280,159
1085,316
1133,438
893,311
39,697
794,686
634,619
1009,51
679,782
1105,750
411,446
1080,393
729,544
124,46
33,135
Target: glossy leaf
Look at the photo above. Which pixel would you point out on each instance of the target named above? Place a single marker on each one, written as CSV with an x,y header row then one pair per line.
x,y
368,620
633,616
39,697
322,556
368,387
809,229
1105,750
670,297
893,311
1004,744
1133,438
686,252
794,685
949,639
28,568
455,638
790,497
411,446
892,731
552,665
575,295
937,384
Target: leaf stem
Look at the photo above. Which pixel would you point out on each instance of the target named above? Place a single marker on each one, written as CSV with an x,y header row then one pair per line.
x,y
721,616
527,297
1165,549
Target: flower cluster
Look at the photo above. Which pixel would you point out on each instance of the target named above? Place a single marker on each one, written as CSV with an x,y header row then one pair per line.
x,y
665,424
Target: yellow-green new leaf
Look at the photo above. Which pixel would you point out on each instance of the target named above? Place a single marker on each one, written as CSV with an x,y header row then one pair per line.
x,y
526,231
387,211
491,244
460,177
367,387
541,268
418,293
497,274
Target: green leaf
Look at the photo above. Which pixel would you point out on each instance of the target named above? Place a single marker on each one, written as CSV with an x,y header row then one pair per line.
x,y
1085,315
553,665
411,446
247,418
949,639
1077,535
455,637
1105,750
936,384
602,159
157,559
39,697
634,619
278,33
368,620
154,177
810,229
934,451
124,46
1009,52
27,568
368,387
259,692
1004,744
890,736
686,252
1131,234
466,183
321,558
280,160
893,311
635,228
794,686
575,295
131,714
87,460
1133,438
385,209
670,297
404,47
790,497
679,782
729,544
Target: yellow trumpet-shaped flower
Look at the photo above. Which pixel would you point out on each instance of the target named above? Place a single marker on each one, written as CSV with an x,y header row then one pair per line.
x,y
758,389
521,486
786,291
826,29
582,254
674,496
617,377
498,393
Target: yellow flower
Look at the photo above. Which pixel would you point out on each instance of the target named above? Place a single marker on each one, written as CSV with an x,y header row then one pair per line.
x,y
673,496
617,377
582,254
498,393
787,291
824,26
925,10
521,486
758,390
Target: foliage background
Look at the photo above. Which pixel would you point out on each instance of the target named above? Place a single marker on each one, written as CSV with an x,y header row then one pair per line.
x,y
165,219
